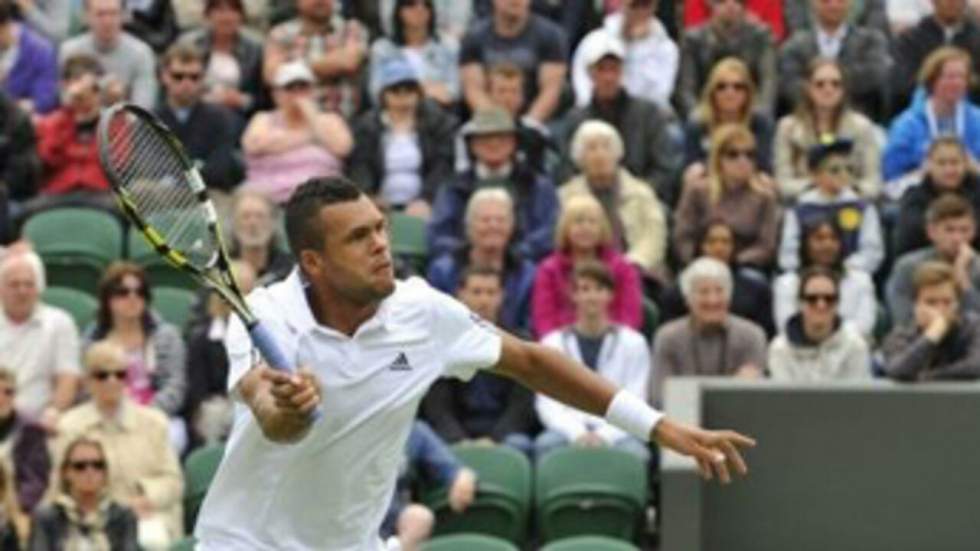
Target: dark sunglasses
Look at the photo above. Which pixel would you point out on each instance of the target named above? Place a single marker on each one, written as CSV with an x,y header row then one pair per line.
x,y
95,465
838,169
104,374
123,291
733,154
403,88
298,86
191,76
828,83
738,86
814,298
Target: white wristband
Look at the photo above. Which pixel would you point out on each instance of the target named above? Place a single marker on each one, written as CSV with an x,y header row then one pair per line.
x,y
633,415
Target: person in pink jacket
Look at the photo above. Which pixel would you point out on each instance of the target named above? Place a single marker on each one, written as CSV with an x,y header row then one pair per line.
x,y
584,232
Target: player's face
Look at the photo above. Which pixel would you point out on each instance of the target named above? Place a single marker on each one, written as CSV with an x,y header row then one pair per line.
x,y
483,295
356,260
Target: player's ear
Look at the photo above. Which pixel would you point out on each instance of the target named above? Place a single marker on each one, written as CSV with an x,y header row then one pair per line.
x,y
311,262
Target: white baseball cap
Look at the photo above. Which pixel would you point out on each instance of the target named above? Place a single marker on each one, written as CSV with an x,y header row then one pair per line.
x,y
602,44
293,71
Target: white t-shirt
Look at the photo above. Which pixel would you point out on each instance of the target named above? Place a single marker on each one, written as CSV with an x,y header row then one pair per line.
x,y
330,491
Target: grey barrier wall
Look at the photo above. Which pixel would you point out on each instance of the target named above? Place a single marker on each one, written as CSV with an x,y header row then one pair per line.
x,y
852,466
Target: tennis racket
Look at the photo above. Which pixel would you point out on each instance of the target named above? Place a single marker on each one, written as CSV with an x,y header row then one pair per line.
x,y
161,192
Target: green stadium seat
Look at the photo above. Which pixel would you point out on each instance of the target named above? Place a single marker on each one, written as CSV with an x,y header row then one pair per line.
x,y
81,306
81,273
468,542
185,544
590,543
651,319
199,469
408,238
158,270
74,231
590,491
174,305
503,499
883,323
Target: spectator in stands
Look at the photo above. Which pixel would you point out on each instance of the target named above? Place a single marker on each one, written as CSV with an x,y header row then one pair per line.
x,y
729,33
23,447
727,99
145,474
426,457
233,65
487,409
709,341
646,44
615,351
940,341
66,137
832,195
489,221
941,109
432,56
650,134
817,344
51,18
39,342
294,141
83,515
253,239
948,25
152,21
751,296
505,87
696,12
15,525
862,52
452,17
334,48
30,64
404,147
583,234
209,132
20,165
636,215
948,170
529,40
822,246
492,142
905,14
951,227
735,192
128,61
822,114
207,410
870,14
154,353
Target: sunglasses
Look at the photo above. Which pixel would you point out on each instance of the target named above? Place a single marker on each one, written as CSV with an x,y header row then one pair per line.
x,y
814,298
299,86
104,374
179,76
835,83
838,170
737,86
123,291
734,154
95,465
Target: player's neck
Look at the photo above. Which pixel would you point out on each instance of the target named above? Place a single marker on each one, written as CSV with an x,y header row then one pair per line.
x,y
338,312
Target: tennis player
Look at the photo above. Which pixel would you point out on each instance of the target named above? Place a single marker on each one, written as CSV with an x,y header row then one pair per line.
x,y
371,346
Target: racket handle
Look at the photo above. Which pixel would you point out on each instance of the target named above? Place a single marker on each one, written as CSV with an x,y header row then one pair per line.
x,y
273,355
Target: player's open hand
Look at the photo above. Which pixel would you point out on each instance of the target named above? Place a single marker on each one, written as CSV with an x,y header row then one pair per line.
x,y
716,452
295,394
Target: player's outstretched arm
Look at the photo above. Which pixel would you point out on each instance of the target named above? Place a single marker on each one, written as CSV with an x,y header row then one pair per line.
x,y
282,403
549,372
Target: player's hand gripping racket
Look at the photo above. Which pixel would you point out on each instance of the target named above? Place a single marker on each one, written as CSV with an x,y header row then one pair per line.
x,y
161,192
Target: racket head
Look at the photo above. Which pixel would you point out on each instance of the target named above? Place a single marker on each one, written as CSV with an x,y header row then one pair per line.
x,y
160,191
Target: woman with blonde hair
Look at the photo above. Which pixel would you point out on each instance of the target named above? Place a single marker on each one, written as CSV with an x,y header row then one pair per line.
x,y
583,233
727,98
735,192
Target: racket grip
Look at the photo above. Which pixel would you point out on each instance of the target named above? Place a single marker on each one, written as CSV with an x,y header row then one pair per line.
x,y
273,355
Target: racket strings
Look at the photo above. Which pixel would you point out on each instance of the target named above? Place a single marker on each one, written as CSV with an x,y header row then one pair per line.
x,y
155,181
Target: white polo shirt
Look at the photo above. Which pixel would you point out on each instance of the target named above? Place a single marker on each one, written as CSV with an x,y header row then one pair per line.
x,y
331,490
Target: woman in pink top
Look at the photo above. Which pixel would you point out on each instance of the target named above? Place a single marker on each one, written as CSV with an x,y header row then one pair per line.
x,y
583,233
295,141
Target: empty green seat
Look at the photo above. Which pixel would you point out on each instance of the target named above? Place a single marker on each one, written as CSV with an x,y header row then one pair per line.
x,y
81,306
75,231
408,238
590,543
468,542
503,499
185,544
590,491
199,469
174,305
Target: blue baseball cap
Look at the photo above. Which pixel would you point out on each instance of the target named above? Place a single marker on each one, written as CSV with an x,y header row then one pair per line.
x,y
396,71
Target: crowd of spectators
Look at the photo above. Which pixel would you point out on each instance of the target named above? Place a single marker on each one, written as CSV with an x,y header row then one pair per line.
x,y
657,188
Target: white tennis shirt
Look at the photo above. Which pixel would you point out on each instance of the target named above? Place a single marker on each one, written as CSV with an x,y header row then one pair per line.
x,y
331,490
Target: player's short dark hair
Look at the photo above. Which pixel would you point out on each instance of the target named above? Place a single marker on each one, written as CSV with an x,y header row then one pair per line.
x,y
479,270
594,271
947,207
303,227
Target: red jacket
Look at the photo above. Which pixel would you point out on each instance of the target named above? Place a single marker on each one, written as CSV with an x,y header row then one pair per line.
x,y
70,163
767,11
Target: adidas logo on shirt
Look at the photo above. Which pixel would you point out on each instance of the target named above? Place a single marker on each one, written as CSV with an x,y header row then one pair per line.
x,y
400,363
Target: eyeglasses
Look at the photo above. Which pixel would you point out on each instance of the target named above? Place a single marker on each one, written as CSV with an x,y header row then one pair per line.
x,y
104,374
737,86
838,169
402,88
298,86
95,465
835,83
123,291
815,298
734,154
180,76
